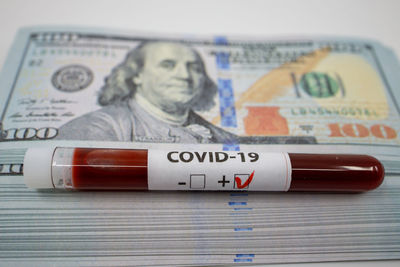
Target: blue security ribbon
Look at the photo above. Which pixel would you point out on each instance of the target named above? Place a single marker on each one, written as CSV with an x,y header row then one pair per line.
x,y
226,93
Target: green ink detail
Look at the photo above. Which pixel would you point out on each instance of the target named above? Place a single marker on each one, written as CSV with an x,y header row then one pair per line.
x,y
318,84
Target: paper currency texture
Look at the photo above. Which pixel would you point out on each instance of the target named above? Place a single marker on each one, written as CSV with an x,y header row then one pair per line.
x,y
88,85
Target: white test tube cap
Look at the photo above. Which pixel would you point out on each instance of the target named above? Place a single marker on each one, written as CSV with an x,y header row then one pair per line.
x,y
37,167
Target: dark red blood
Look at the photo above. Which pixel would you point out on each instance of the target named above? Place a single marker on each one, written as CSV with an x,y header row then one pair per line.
x,y
122,169
325,172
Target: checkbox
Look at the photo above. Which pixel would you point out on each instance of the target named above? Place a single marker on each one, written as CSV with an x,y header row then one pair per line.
x,y
197,181
243,178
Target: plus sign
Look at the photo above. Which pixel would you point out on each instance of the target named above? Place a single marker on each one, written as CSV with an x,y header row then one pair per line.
x,y
223,181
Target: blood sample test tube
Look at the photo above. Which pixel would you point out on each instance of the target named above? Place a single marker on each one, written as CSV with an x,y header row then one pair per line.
x,y
142,169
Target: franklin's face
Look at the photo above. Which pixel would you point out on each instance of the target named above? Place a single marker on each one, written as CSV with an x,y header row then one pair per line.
x,y
172,76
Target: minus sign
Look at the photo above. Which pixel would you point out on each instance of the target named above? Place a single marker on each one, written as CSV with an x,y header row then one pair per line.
x,y
233,157
182,183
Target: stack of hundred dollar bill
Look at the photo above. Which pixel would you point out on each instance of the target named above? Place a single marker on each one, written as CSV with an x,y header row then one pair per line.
x,y
80,87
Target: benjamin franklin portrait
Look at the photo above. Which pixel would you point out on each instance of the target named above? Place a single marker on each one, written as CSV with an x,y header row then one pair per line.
x,y
153,96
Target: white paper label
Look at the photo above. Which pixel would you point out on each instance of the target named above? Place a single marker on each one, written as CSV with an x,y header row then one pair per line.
x,y
217,170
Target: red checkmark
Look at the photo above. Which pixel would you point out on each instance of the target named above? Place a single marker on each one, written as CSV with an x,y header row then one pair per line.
x,y
248,181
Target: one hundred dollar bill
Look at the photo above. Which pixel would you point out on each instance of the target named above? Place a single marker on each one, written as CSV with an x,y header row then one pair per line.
x,y
85,84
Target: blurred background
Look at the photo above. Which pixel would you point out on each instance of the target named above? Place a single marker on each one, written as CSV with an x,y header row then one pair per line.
x,y
376,19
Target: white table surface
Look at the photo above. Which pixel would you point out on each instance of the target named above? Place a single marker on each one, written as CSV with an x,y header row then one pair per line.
x,y
375,19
